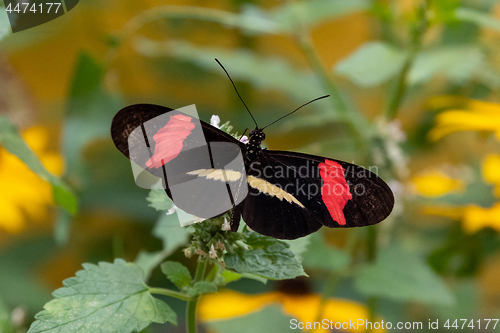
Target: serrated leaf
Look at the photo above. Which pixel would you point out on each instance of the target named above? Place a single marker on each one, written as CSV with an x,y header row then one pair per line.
x,y
319,255
268,257
177,273
202,287
104,298
12,141
372,64
403,276
265,73
456,62
159,200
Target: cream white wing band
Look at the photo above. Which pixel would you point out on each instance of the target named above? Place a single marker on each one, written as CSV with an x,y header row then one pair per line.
x,y
217,174
272,190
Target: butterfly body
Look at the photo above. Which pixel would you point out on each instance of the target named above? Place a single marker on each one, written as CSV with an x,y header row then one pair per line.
x,y
278,193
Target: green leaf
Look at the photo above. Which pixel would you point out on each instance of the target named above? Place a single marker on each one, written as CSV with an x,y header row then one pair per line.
x,y
248,21
5,322
403,276
62,227
269,319
477,17
202,287
104,298
299,246
294,14
5,28
12,141
159,200
319,255
264,73
456,62
167,228
177,273
372,64
89,112
230,276
268,257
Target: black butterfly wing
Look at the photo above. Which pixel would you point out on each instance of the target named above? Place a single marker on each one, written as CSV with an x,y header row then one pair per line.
x,y
320,191
189,156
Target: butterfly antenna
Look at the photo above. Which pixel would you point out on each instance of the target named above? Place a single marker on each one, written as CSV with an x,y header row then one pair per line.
x,y
237,92
297,109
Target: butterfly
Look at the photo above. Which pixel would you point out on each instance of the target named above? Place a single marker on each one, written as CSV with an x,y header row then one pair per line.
x,y
281,194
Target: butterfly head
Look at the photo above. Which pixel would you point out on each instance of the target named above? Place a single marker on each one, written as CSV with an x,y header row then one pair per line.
x,y
253,147
257,136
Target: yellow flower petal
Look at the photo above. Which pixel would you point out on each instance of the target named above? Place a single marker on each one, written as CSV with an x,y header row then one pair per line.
x,y
472,116
25,195
476,218
435,183
37,138
228,304
491,169
305,309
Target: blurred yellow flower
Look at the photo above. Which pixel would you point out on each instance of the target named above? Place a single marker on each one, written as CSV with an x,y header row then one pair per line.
x,y
435,183
465,115
473,217
476,218
24,195
228,304
491,171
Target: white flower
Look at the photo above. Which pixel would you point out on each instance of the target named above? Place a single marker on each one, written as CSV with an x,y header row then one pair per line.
x,y
215,121
244,139
226,226
188,253
212,253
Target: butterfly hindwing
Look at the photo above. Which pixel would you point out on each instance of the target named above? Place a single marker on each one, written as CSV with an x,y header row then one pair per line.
x,y
369,201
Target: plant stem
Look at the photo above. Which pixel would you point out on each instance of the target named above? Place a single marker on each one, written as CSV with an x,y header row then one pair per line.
x,y
191,305
171,293
347,114
418,31
334,277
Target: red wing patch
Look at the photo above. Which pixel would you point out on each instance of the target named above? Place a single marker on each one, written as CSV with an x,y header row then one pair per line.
x,y
170,139
335,191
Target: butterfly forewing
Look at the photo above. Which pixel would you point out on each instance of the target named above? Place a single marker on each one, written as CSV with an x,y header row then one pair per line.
x,y
203,178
